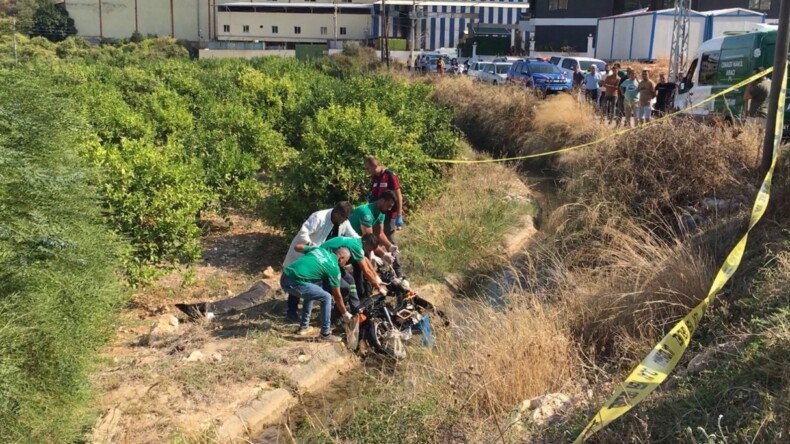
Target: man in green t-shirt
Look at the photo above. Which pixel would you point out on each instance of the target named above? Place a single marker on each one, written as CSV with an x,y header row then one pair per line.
x,y
353,286
304,277
369,218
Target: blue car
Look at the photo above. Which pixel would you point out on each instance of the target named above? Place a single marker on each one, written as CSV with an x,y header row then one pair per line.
x,y
543,76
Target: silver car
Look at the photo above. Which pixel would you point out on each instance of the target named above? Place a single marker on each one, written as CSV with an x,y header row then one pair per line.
x,y
495,73
475,68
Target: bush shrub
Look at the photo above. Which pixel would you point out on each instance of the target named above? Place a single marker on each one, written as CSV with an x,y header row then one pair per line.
x,y
58,287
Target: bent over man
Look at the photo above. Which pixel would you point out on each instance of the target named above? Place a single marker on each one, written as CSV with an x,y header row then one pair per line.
x,y
304,278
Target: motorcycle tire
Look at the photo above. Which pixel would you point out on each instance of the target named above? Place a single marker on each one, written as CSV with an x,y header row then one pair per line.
x,y
375,332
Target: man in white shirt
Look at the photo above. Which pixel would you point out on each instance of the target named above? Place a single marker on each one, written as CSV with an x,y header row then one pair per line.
x,y
592,81
320,226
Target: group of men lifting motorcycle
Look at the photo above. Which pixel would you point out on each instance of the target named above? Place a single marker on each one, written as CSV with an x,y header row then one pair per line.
x,y
314,269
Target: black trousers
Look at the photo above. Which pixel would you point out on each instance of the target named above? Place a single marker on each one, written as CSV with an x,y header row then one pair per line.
x,y
250,298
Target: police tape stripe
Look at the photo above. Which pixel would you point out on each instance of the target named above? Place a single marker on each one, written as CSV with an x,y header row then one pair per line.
x,y
616,133
655,368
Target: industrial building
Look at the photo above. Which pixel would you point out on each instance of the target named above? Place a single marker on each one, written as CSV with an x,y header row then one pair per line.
x,y
567,23
282,24
647,35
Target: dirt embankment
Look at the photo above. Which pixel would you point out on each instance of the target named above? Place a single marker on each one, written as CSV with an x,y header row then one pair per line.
x,y
165,378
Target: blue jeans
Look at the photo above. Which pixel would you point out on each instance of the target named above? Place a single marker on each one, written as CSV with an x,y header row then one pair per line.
x,y
310,293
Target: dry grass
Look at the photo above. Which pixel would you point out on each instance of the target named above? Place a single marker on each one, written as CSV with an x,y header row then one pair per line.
x,y
643,285
657,170
508,121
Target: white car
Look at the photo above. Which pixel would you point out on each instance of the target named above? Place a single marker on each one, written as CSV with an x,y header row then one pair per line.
x,y
475,68
495,73
566,64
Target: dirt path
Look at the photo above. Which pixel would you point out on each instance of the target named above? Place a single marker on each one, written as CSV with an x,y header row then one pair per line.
x,y
206,381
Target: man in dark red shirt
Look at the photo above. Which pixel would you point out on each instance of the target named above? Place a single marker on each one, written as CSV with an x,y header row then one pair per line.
x,y
383,180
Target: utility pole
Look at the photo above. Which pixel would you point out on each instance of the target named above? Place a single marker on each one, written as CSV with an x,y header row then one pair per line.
x,y
680,40
780,65
385,47
335,24
413,30
13,31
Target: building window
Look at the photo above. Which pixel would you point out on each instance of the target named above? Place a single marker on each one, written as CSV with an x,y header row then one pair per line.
x,y
556,5
297,29
323,30
760,5
275,30
342,30
245,29
225,28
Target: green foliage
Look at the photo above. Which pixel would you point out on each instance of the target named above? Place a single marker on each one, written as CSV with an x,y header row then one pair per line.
x,y
174,137
153,196
58,287
52,21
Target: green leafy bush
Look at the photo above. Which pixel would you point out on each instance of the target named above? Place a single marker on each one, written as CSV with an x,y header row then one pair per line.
x,y
329,165
58,286
153,196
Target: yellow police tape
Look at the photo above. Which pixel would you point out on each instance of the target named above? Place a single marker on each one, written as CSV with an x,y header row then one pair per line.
x,y
616,133
655,368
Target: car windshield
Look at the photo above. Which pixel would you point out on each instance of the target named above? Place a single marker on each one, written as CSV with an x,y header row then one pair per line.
x,y
483,66
542,68
501,68
584,65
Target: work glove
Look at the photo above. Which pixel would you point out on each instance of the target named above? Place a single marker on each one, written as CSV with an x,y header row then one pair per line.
x,y
383,290
394,250
377,261
388,259
347,316
399,221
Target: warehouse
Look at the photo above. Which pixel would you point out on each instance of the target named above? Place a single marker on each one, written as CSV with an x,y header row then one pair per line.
x,y
647,35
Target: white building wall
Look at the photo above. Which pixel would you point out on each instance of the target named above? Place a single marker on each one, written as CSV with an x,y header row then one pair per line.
x,y
603,47
640,44
722,24
260,26
117,19
621,46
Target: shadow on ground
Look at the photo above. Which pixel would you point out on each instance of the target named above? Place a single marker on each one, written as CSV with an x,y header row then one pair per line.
x,y
249,253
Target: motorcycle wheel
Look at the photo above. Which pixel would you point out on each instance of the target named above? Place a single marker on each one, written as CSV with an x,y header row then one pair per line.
x,y
376,331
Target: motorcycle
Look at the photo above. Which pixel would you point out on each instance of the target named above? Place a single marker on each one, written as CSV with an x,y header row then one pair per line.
x,y
387,321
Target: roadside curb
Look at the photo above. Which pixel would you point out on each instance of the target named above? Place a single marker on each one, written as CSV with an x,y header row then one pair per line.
x,y
327,362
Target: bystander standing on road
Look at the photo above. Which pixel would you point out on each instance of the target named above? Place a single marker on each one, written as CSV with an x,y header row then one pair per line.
x,y
647,91
592,81
440,65
664,94
622,75
630,92
755,100
409,62
611,85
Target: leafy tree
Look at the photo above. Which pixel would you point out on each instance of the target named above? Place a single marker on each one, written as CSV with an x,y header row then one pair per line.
x,y
52,21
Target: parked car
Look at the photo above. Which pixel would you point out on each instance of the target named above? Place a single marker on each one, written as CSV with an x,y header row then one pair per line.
x,y
475,68
544,77
495,73
566,64
506,59
433,57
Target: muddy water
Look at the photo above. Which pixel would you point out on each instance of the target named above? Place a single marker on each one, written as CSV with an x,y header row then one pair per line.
x,y
336,404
